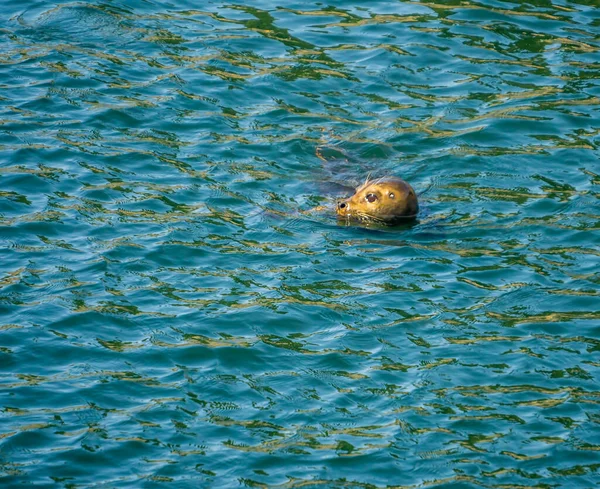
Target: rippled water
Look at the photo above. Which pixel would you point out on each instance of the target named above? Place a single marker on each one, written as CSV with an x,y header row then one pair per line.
x,y
175,312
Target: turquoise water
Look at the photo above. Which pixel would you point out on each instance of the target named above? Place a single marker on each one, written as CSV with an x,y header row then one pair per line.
x,y
174,312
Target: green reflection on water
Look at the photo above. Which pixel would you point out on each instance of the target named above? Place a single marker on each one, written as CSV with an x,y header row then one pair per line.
x,y
176,294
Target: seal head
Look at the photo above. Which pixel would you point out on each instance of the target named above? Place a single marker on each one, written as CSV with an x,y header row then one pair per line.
x,y
386,200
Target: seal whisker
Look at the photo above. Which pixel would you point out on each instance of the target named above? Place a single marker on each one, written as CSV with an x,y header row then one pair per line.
x,y
366,183
369,217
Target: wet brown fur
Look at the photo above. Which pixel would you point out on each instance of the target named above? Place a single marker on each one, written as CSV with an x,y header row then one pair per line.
x,y
396,202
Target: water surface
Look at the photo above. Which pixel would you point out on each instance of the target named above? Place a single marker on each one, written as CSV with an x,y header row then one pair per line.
x,y
173,313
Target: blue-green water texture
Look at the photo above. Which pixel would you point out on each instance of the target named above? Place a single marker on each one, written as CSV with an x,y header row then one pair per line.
x,y
180,307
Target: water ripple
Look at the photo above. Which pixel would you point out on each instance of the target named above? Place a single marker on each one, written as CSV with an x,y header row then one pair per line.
x,y
176,294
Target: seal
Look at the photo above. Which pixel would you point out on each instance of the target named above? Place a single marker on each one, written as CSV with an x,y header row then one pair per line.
x,y
386,200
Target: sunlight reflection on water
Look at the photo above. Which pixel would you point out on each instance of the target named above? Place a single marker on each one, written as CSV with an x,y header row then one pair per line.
x,y
172,309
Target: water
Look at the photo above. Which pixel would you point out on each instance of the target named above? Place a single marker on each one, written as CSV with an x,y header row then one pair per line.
x,y
174,313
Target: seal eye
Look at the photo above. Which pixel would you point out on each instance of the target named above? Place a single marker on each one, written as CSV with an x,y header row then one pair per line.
x,y
371,198
391,195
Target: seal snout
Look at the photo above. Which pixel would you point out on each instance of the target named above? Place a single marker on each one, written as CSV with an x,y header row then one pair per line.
x,y
343,208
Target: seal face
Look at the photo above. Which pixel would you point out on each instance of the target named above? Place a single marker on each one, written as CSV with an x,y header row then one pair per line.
x,y
387,200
